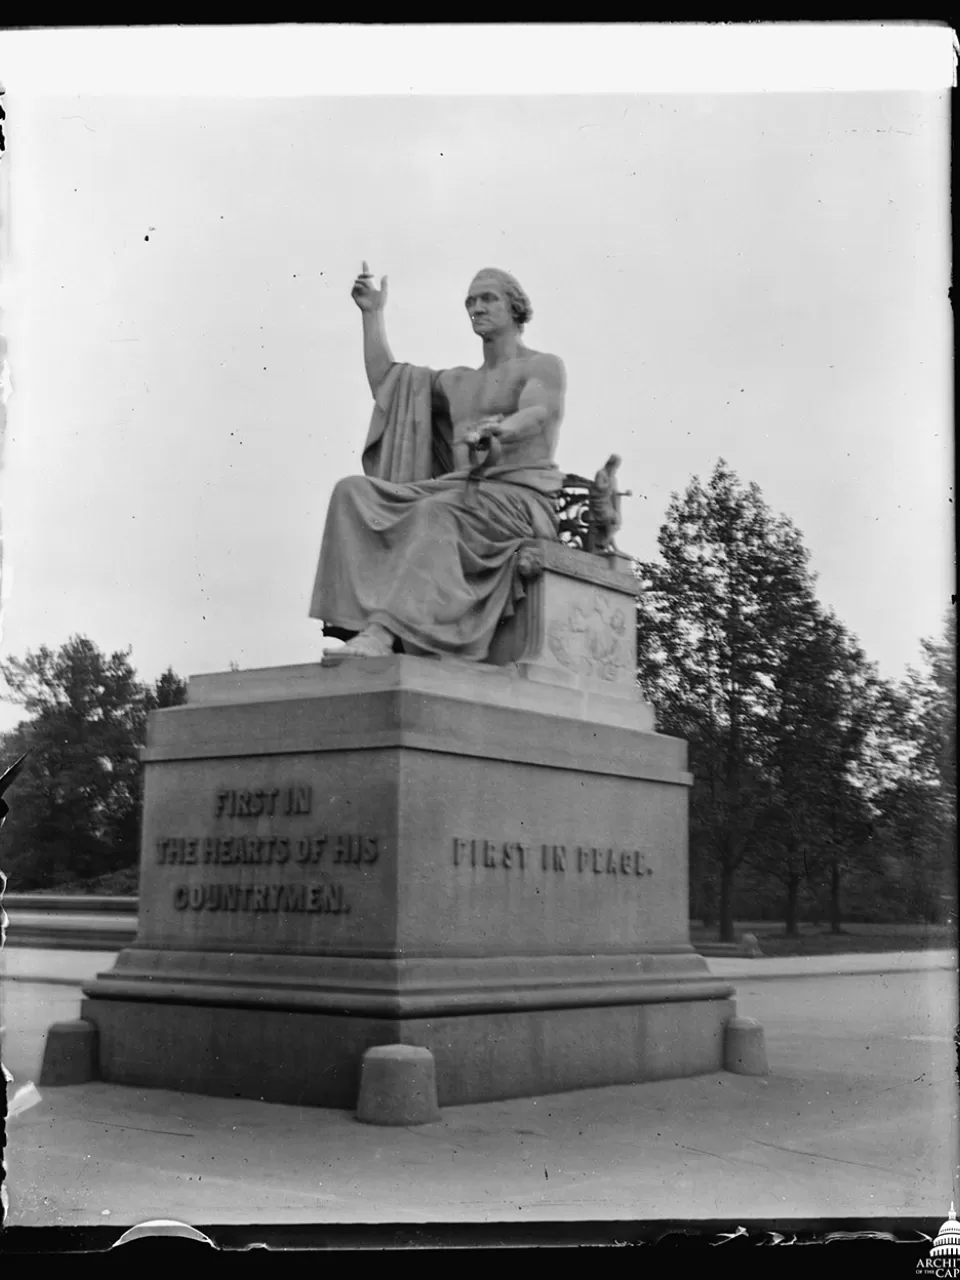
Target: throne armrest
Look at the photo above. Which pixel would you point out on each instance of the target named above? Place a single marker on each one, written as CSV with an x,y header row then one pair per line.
x,y
578,521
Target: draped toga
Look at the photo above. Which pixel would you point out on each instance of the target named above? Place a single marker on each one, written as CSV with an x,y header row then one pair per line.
x,y
427,552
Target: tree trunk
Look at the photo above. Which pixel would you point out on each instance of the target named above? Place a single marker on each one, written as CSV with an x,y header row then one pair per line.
x,y
726,904
706,905
793,894
835,917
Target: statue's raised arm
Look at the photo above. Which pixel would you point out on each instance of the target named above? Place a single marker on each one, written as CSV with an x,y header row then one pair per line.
x,y
377,356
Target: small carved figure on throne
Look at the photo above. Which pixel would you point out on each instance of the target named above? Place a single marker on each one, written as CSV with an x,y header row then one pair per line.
x,y
605,517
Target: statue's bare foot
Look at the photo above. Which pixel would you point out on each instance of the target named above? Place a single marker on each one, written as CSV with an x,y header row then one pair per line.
x,y
373,642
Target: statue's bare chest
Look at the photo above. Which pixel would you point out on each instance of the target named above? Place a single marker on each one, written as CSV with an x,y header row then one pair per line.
x,y
479,393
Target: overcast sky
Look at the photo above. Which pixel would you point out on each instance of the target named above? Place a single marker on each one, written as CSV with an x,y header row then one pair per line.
x,y
758,277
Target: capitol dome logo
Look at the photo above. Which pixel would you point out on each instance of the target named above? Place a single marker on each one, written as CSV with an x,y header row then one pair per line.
x,y
944,1257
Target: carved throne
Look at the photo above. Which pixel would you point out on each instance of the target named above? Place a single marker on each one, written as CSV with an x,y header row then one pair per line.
x,y
576,623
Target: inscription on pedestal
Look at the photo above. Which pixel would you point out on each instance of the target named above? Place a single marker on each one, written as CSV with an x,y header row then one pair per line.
x,y
325,898
550,858
323,850
231,850
316,872
254,804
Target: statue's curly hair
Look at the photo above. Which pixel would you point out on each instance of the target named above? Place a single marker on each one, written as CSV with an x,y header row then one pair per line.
x,y
520,307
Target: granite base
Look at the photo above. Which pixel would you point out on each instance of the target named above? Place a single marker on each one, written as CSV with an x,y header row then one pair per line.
x,y
311,1059
408,852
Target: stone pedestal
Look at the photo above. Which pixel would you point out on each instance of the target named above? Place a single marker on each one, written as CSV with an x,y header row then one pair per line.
x,y
487,862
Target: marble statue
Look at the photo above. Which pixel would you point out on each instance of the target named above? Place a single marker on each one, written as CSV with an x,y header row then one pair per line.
x,y
419,553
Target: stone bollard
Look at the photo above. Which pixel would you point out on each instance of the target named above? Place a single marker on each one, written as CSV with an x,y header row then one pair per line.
x,y
398,1086
70,1054
744,1051
751,947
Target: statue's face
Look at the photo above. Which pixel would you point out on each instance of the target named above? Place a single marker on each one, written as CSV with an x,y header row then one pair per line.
x,y
488,306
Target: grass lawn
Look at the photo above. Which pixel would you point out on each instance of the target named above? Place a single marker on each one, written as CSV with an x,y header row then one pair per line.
x,y
817,940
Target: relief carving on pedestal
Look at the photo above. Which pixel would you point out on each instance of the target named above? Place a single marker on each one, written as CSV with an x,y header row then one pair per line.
x,y
593,638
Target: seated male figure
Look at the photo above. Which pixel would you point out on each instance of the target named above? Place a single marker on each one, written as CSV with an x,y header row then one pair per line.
x,y
419,553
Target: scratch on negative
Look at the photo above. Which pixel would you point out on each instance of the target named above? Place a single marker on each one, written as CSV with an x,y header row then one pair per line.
x,y
794,1151
717,1156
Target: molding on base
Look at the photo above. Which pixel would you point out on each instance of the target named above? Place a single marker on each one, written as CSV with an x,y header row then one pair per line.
x,y
407,988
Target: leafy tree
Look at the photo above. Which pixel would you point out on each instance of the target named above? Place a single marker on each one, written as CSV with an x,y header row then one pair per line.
x,y
75,814
818,822
934,728
808,769
919,806
715,622
168,691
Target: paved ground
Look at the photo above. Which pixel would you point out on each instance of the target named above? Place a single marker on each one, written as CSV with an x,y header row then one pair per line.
x,y
56,965
858,1118
53,965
